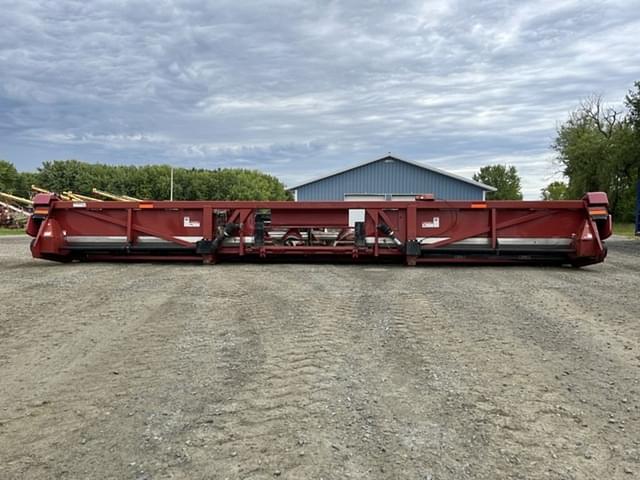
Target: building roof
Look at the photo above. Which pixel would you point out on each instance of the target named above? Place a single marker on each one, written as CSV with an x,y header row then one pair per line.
x,y
415,164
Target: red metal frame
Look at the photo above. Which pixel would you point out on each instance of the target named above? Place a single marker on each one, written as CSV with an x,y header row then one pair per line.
x,y
421,231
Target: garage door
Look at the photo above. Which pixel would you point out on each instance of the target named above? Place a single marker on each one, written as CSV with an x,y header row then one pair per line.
x,y
403,198
358,197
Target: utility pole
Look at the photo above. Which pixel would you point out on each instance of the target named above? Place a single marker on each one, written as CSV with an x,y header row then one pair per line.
x,y
171,198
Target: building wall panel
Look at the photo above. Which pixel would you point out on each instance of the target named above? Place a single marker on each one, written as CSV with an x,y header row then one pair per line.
x,y
388,176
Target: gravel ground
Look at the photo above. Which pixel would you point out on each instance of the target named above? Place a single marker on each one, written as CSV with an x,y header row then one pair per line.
x,y
152,371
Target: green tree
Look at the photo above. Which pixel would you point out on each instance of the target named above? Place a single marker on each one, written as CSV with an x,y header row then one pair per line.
x,y
24,182
555,191
504,178
595,148
632,102
8,177
153,181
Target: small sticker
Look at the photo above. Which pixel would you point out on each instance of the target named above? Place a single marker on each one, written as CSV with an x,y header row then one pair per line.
x,y
79,205
191,223
435,223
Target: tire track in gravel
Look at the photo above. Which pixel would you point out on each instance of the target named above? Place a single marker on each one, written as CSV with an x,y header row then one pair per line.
x,y
405,332
156,380
287,406
64,338
539,374
172,365
215,355
593,368
436,340
91,361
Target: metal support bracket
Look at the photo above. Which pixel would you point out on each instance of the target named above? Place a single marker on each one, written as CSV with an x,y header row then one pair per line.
x,y
412,248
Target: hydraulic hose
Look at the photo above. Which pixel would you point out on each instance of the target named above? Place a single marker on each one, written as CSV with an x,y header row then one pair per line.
x,y
208,247
384,228
227,231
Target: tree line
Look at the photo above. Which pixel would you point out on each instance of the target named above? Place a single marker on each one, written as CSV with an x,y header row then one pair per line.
x,y
145,182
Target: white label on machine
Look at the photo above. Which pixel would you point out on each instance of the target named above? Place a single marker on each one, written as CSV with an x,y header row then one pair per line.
x,y
191,223
355,215
435,223
79,205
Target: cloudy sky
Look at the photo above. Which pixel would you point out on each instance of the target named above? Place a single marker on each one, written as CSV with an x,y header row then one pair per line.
x,y
300,88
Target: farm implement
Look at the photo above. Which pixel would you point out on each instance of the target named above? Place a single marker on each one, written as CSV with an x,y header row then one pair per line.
x,y
412,232
14,211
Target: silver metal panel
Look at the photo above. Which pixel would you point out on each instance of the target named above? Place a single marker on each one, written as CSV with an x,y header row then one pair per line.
x,y
330,236
148,239
429,240
83,239
502,241
95,239
547,242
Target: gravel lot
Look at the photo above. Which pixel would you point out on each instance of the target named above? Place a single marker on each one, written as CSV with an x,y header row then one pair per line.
x,y
153,371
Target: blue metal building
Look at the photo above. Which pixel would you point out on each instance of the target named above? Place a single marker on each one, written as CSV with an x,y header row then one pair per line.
x,y
390,178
